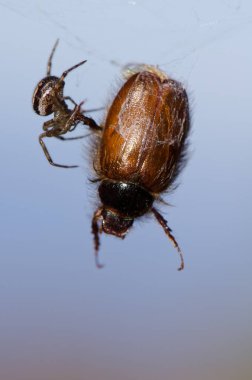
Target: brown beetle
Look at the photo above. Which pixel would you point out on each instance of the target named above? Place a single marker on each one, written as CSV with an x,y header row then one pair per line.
x,y
141,151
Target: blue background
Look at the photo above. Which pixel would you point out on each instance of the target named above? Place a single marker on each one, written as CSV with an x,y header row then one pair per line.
x,y
138,318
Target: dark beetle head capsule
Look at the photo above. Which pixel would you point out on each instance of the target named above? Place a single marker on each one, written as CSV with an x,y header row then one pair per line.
x,y
43,99
141,152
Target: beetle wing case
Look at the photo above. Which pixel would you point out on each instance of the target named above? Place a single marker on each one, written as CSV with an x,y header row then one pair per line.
x,y
145,131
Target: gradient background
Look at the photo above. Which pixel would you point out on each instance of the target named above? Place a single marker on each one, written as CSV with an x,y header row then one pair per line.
x,y
138,318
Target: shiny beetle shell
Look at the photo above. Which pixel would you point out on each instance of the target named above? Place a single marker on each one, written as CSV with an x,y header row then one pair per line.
x,y
141,151
144,132
42,99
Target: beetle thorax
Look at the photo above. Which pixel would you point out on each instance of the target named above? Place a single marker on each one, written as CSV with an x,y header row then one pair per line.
x,y
128,199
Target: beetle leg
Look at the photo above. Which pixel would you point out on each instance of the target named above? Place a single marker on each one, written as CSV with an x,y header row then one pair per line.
x,y
161,220
47,154
95,232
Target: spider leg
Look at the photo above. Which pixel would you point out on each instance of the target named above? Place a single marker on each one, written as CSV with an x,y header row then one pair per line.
x,y
87,120
90,122
71,120
66,72
70,99
47,154
51,123
72,138
89,110
48,124
77,116
49,63
94,109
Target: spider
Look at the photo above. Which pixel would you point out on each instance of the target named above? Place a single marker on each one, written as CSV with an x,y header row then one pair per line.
x,y
48,99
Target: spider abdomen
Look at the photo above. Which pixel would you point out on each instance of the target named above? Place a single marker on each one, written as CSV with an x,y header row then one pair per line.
x,y
43,96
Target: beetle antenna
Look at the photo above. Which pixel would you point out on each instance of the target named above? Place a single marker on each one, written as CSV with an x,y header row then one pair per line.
x,y
49,63
95,232
161,220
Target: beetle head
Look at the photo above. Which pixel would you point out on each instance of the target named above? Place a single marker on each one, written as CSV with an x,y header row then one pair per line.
x,y
115,224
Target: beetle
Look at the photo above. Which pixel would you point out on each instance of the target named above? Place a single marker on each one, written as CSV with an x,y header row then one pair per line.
x,y
48,98
140,153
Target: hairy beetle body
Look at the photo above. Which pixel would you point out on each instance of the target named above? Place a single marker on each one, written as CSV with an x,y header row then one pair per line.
x,y
141,151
